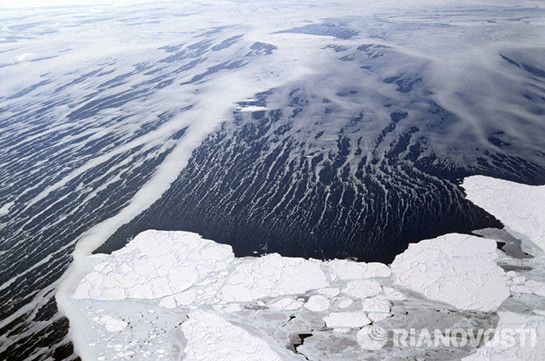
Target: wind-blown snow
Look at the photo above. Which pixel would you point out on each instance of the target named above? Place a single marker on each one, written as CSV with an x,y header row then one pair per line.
x,y
317,303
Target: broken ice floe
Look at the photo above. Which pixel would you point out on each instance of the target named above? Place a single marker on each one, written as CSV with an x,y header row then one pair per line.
x,y
175,295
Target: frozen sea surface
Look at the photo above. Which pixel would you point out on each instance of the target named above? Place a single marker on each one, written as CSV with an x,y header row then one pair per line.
x,y
174,295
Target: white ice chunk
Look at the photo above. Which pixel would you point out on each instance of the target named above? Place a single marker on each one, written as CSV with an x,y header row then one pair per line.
x,y
362,288
154,264
271,276
329,291
111,324
457,269
345,303
350,270
317,303
520,207
376,304
346,319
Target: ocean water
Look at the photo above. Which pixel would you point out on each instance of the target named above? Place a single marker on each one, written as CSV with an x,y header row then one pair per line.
x,y
271,128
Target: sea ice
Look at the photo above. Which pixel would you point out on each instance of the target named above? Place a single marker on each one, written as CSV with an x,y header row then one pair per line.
x,y
199,286
457,269
348,270
210,337
111,324
518,337
317,303
346,319
520,207
362,288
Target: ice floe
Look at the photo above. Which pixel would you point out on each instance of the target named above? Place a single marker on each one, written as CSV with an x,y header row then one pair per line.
x,y
347,270
4,210
457,269
317,303
346,319
519,207
175,295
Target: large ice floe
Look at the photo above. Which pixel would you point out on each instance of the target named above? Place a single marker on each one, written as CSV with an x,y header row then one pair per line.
x,y
521,208
456,268
177,296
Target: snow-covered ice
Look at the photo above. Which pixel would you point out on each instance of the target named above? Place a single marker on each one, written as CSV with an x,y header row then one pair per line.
x,y
225,341
111,324
317,303
171,295
518,338
346,319
457,269
157,264
519,207
205,285
347,270
362,288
